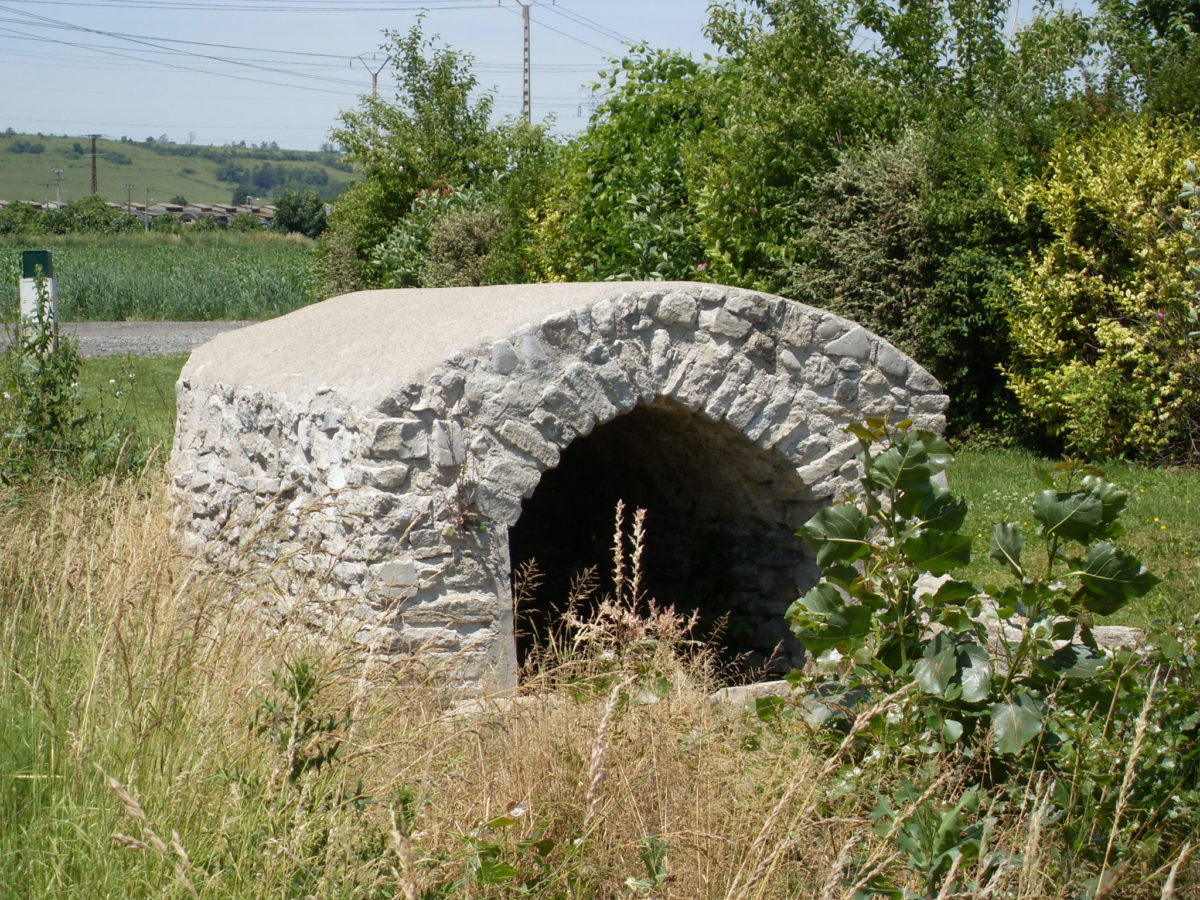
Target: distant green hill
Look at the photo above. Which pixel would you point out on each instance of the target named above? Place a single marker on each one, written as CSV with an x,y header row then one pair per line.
x,y
201,174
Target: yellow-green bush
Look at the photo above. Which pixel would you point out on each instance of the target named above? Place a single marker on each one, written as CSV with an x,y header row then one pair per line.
x,y
1099,320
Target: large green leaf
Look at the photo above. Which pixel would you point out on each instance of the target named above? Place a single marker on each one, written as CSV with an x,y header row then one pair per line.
x,y
1016,721
837,533
1111,578
975,672
1076,661
938,552
1007,546
951,591
822,619
935,669
900,467
1112,501
1075,515
934,507
936,448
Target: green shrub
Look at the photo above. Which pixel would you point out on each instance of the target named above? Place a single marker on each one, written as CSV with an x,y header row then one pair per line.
x,y
165,223
90,214
205,223
460,248
913,663
245,223
22,218
1100,315
44,429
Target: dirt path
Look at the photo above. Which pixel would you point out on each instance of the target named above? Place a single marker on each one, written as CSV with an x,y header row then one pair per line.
x,y
141,338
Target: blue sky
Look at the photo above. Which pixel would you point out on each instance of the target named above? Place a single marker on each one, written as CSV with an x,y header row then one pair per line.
x,y
218,71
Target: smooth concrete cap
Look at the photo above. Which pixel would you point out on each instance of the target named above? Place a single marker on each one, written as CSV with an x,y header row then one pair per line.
x,y
365,344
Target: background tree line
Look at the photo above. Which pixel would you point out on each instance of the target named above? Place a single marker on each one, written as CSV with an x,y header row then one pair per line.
x,y
1000,201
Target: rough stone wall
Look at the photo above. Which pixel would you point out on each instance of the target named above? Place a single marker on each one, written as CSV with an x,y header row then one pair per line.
x,y
392,519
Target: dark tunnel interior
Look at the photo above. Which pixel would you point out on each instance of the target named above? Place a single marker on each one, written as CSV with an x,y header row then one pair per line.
x,y
720,520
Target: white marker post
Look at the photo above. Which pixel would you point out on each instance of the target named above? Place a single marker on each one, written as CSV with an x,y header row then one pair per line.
x,y
39,293
38,305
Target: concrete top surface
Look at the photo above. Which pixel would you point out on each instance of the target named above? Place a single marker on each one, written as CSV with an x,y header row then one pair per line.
x,y
367,344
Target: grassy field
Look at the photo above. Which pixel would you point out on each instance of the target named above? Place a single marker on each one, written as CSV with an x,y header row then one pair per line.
x,y
190,277
29,176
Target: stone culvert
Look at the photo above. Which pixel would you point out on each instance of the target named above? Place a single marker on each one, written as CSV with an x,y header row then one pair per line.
x,y
390,456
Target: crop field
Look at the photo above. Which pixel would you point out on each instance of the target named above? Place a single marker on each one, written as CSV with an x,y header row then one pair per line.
x,y
150,277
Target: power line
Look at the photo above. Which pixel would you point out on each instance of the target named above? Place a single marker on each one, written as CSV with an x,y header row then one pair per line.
x,y
590,24
292,6
572,37
138,41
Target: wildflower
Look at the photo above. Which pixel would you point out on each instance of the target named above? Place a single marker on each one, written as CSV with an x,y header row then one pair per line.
x,y
702,266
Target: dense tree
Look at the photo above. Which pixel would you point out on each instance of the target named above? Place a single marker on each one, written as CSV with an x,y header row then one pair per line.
x,y
430,137
299,212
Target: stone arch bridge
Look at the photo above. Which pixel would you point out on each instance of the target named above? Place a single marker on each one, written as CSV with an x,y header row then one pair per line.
x,y
384,459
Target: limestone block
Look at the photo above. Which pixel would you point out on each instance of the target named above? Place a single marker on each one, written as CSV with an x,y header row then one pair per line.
x,y
399,439
447,446
385,478
830,328
929,403
529,440
855,343
789,360
753,307
724,323
819,371
583,381
529,347
677,310
617,385
890,360
504,358
921,381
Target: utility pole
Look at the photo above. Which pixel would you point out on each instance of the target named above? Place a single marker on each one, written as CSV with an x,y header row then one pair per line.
x,y
95,183
129,199
146,211
58,173
374,72
526,101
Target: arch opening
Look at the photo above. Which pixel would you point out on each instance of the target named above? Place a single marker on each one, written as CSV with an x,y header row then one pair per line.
x,y
721,516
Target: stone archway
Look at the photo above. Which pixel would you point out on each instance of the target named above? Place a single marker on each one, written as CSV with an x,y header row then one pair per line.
x,y
721,516
385,443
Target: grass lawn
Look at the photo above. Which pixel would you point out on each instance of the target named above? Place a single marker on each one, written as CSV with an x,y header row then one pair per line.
x,y
1162,522
140,389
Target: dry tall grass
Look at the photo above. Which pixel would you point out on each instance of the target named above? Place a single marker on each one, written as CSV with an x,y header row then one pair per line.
x,y
159,740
